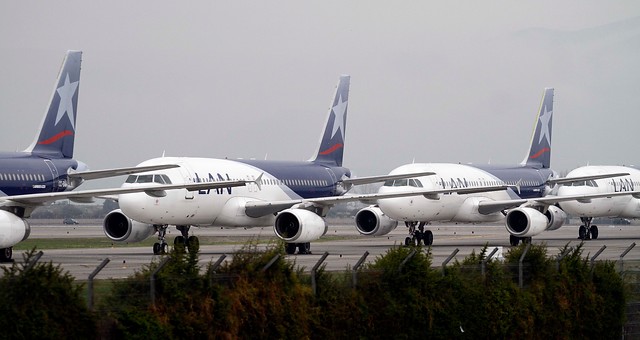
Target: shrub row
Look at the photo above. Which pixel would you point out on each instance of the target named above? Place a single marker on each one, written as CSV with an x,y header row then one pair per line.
x,y
391,300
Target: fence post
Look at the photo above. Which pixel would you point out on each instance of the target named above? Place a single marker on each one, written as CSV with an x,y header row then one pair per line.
x,y
152,289
409,257
446,261
484,261
314,285
34,261
561,256
90,283
355,268
624,253
215,266
270,263
593,258
521,264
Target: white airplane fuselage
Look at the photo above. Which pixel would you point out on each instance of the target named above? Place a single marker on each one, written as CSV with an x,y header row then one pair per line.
x,y
225,207
458,207
625,206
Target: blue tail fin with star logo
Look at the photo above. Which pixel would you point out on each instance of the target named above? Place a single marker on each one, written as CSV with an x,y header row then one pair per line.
x,y
332,140
539,155
57,131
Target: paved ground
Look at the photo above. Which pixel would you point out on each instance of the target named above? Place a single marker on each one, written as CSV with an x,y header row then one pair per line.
x,y
345,246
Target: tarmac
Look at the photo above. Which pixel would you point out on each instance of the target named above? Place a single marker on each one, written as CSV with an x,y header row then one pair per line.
x,y
344,245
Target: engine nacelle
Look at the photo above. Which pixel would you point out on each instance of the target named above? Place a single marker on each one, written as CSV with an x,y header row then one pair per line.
x,y
555,217
120,228
371,221
299,226
13,229
526,222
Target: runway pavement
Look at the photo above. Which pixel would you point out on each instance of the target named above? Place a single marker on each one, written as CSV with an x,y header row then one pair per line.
x,y
344,245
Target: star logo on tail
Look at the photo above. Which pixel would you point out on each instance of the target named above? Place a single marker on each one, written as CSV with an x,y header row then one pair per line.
x,y
338,112
545,119
66,93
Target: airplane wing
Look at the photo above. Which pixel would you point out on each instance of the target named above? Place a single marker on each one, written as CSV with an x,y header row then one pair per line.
x,y
584,178
489,207
348,182
97,174
263,208
152,190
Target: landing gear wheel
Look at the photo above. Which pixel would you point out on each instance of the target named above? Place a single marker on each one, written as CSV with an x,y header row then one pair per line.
x,y
290,248
178,244
304,248
582,232
428,238
419,237
6,254
514,240
407,241
193,244
157,249
594,232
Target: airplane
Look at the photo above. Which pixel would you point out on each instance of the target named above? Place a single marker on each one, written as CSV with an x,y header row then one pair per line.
x,y
529,179
292,196
528,206
623,200
46,170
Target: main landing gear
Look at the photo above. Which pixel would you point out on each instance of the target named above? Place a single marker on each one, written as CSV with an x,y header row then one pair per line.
x,y
416,237
303,248
6,254
515,240
586,230
181,243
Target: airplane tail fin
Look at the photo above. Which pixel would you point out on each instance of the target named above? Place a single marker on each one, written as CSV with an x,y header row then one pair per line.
x,y
332,140
57,130
540,150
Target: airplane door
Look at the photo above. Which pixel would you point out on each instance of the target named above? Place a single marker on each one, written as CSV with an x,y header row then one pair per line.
x,y
334,182
54,174
188,178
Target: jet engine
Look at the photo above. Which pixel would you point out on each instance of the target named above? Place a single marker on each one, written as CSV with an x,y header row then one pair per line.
x,y
371,221
527,222
118,227
556,217
299,226
13,229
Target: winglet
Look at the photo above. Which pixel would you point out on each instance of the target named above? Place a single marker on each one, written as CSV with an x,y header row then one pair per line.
x,y
57,130
517,186
332,140
540,150
258,181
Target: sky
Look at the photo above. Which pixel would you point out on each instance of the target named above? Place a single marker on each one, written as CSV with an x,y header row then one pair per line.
x,y
431,81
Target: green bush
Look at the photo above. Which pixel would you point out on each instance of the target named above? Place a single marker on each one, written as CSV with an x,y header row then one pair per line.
x,y
42,302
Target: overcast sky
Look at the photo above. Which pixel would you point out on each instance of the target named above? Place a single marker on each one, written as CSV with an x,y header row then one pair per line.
x,y
431,81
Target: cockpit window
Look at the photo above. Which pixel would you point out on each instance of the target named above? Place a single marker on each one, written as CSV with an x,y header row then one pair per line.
x,y
131,179
158,179
400,183
166,179
415,183
145,179
592,183
403,183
